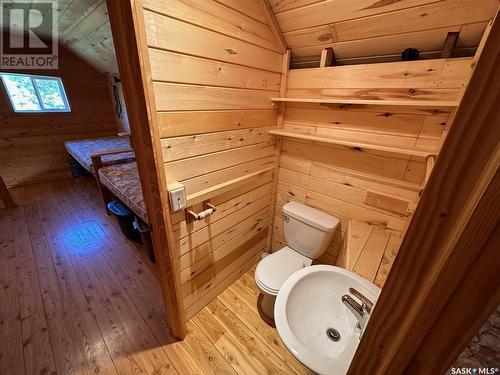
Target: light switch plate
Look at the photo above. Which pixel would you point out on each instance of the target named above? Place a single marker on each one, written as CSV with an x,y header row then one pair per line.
x,y
177,196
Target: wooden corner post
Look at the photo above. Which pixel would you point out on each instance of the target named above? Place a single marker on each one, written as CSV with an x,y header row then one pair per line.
x,y
285,67
127,24
444,281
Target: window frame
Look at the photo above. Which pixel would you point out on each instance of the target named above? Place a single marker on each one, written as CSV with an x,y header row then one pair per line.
x,y
32,77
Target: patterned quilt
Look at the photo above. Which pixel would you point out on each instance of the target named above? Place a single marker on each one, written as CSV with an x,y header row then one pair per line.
x,y
123,181
82,149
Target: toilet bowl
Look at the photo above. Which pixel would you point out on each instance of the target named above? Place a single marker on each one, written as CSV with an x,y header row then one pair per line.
x,y
308,232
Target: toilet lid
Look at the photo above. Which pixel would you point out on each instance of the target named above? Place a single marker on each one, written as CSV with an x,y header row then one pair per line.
x,y
273,270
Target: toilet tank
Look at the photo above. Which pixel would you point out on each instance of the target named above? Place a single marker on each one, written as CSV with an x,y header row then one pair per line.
x,y
307,230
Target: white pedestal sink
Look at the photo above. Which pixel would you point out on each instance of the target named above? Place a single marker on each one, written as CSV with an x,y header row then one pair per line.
x,y
309,303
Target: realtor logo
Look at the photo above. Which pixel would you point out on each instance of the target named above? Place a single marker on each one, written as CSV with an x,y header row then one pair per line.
x,y
29,34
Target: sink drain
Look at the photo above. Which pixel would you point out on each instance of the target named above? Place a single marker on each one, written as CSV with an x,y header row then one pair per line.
x,y
333,334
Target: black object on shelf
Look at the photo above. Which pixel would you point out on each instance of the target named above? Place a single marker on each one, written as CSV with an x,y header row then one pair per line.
x,y
125,219
410,54
145,233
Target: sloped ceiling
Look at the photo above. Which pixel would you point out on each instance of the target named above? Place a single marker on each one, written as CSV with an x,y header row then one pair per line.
x,y
378,30
359,31
84,28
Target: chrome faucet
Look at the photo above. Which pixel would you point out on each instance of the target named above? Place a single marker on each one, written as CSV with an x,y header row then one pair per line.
x,y
361,310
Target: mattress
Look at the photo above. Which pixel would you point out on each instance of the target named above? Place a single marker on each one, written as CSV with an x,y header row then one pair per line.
x,y
82,150
123,181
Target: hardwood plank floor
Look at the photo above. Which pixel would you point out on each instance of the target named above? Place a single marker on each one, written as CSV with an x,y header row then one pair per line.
x,y
76,297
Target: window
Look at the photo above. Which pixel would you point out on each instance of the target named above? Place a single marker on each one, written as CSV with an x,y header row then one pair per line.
x,y
29,93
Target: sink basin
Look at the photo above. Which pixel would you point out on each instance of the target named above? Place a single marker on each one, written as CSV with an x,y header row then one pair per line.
x,y
309,305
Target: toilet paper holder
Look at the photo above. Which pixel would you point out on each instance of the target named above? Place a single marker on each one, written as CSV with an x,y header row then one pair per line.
x,y
208,210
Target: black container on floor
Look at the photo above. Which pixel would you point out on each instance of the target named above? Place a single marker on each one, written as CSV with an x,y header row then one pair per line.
x,y
75,168
145,232
125,220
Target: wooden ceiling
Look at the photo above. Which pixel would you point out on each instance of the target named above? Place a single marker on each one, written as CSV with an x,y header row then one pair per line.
x,y
363,31
359,31
84,28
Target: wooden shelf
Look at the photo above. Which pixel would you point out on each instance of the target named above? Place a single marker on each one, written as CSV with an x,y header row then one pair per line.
x,y
408,103
342,142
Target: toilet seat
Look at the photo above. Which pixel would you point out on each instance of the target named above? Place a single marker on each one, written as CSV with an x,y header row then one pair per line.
x,y
273,270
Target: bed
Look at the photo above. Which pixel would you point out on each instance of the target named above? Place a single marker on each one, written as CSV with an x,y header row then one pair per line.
x,y
82,149
122,180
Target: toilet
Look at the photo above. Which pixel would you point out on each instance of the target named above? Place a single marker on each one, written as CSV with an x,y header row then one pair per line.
x,y
308,232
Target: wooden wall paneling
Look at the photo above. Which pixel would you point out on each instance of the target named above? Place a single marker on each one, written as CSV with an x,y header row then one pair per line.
x,y
163,33
364,181
127,21
387,202
425,74
224,268
473,64
200,243
200,266
207,244
368,261
188,146
252,9
390,166
198,165
356,183
201,71
377,120
307,44
328,12
32,144
181,123
227,205
365,31
459,212
408,20
390,253
229,181
312,39
219,18
217,289
420,97
214,113
180,97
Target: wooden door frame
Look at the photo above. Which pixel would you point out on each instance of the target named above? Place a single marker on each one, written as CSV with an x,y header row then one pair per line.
x,y
127,25
444,281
